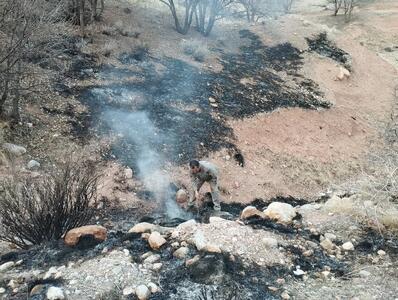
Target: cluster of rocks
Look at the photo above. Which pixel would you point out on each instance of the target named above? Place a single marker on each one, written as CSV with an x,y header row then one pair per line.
x,y
137,274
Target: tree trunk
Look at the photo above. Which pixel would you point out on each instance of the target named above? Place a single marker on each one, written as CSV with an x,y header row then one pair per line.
x,y
81,16
4,97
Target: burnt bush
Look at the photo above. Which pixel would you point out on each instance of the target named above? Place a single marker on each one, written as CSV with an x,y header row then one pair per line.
x,y
32,212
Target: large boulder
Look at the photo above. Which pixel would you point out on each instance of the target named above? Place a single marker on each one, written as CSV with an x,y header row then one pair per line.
x,y
94,233
280,212
251,211
14,149
156,240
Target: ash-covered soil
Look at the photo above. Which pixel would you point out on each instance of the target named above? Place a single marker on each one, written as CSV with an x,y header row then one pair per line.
x,y
188,106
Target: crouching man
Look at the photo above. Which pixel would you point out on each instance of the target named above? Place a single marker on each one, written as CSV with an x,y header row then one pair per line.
x,y
201,172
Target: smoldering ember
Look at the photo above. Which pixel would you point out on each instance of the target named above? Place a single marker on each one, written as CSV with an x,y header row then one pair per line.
x,y
198,149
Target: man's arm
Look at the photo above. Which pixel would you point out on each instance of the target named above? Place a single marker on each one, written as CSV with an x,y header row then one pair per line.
x,y
194,189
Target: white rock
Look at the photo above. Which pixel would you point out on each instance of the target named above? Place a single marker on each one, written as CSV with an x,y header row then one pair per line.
x,y
330,236
213,220
250,211
142,227
128,291
14,149
152,259
187,225
281,212
348,246
55,293
6,266
2,290
298,272
181,253
156,240
327,245
142,292
33,164
153,288
128,173
381,252
157,266
364,273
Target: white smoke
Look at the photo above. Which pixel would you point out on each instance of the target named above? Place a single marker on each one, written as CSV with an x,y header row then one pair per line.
x,y
139,130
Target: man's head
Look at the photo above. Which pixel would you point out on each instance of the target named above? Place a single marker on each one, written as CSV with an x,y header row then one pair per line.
x,y
194,166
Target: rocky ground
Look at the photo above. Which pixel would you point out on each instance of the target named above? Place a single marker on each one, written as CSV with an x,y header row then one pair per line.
x,y
317,141
267,252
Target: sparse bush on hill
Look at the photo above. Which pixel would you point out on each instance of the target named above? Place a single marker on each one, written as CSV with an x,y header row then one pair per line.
x,y
196,49
32,212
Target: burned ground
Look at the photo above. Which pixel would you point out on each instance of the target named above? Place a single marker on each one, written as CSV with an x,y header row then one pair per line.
x,y
176,99
323,46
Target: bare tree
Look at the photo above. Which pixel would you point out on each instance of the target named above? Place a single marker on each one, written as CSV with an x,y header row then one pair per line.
x,y
287,5
347,5
253,9
188,7
208,12
30,32
32,212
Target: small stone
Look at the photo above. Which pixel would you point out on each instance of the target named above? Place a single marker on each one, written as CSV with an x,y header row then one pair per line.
x,y
181,253
152,259
55,293
298,271
157,266
348,246
364,273
6,266
273,288
142,292
330,236
126,252
37,290
280,281
2,290
142,228
153,288
308,253
146,254
250,211
192,261
327,245
156,240
128,173
325,274
128,291
175,245
33,165
381,252
285,296
212,100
